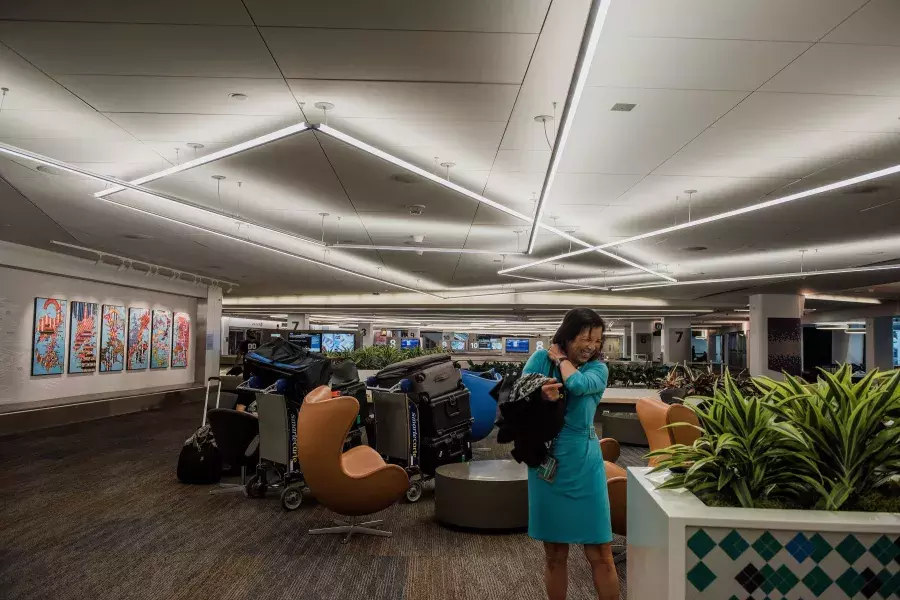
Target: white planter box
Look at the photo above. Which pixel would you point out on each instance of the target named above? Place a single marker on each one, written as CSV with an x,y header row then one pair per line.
x,y
681,549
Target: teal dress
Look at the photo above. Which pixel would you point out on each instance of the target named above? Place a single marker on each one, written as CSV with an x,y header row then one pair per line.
x,y
574,507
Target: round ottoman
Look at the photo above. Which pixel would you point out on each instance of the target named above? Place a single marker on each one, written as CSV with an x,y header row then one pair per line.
x,y
484,494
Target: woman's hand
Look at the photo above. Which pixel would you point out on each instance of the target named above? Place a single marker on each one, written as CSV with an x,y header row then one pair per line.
x,y
550,390
555,353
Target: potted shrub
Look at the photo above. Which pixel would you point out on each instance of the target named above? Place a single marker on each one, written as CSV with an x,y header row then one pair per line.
x,y
791,487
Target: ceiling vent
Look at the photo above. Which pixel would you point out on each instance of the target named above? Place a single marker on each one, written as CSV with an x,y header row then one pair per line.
x,y
694,249
137,236
416,209
622,107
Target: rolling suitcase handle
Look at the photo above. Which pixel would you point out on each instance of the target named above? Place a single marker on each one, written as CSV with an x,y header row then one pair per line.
x,y
206,398
452,407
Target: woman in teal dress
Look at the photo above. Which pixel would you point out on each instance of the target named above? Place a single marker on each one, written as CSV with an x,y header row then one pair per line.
x,y
572,507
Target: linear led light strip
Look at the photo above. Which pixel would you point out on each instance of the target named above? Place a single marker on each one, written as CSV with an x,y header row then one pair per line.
x,y
348,139
837,298
421,249
644,286
726,215
212,157
578,285
593,27
20,153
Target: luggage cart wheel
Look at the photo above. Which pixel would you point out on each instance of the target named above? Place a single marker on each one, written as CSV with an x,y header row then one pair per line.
x,y
292,497
414,492
255,488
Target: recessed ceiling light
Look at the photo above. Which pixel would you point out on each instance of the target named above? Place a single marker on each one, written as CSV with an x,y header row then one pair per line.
x,y
694,249
623,107
405,178
238,96
47,169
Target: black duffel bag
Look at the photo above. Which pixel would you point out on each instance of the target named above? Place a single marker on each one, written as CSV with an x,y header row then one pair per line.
x,y
200,461
303,370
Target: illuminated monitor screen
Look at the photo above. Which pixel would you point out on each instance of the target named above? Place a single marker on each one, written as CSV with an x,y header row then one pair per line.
x,y
409,344
517,345
338,342
311,341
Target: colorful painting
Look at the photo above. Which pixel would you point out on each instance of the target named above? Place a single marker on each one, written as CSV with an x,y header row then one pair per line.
x,y
181,340
161,339
83,338
112,339
138,339
49,347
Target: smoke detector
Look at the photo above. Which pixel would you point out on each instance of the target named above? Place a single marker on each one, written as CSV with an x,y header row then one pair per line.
x,y
416,209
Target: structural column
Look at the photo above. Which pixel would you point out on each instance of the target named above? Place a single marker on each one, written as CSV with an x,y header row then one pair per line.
x,y
641,338
775,339
367,336
676,339
208,335
298,322
880,343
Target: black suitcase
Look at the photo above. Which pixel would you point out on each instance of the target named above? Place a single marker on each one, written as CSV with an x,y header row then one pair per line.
x,y
453,447
429,376
438,416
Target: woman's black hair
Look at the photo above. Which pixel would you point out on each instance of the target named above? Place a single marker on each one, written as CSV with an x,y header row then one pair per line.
x,y
576,321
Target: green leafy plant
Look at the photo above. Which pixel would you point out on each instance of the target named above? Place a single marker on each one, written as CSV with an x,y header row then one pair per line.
x,y
379,357
851,430
832,445
745,453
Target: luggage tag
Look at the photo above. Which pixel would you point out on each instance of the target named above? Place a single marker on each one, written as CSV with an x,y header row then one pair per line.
x,y
547,469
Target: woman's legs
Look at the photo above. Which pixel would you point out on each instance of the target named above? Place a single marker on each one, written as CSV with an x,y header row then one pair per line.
x,y
556,574
603,570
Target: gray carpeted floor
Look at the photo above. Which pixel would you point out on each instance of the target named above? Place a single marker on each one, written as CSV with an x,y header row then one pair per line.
x,y
94,511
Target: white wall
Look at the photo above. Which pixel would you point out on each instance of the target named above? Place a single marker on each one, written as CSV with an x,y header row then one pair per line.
x,y
18,289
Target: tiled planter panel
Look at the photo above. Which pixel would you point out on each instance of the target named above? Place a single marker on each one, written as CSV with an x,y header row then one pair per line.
x,y
742,564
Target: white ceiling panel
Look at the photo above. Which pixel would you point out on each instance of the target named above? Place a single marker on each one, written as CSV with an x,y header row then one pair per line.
x,y
843,69
875,23
689,163
411,101
679,63
549,75
763,143
58,125
781,20
121,49
198,95
90,151
202,12
510,187
519,16
636,142
763,110
229,129
400,55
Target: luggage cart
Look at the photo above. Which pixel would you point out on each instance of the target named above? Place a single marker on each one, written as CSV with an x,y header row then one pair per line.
x,y
277,447
397,432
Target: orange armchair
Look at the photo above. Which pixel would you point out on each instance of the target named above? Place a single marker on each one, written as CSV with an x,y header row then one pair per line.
x,y
616,484
655,415
352,483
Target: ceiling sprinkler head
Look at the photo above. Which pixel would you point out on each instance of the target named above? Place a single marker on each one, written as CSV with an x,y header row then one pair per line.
x,y
416,209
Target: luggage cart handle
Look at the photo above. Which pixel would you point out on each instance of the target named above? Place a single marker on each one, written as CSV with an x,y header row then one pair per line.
x,y
209,383
245,387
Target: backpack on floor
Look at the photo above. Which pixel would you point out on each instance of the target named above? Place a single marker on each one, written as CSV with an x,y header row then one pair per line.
x,y
200,461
